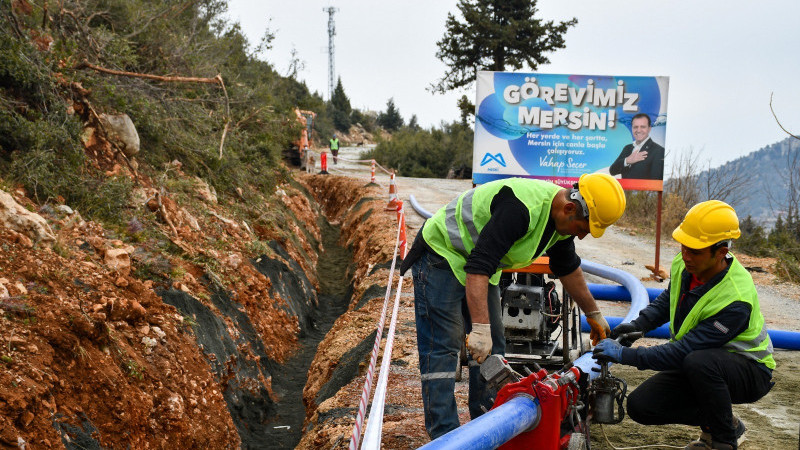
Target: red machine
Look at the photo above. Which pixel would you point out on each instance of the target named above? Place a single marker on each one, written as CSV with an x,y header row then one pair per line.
x,y
559,425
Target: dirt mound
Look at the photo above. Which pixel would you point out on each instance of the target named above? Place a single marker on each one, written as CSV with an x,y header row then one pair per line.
x,y
164,332
88,349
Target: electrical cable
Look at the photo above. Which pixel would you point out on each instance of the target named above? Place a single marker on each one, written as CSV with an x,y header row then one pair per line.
x,y
636,447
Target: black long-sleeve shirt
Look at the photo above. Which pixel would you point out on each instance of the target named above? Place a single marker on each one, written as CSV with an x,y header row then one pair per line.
x,y
508,223
713,332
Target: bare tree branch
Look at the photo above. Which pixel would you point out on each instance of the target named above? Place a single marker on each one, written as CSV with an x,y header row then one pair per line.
x,y
776,118
227,114
216,80
87,64
732,187
103,14
15,24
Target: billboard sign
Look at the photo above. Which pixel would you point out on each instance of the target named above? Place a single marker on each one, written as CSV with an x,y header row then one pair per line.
x,y
557,127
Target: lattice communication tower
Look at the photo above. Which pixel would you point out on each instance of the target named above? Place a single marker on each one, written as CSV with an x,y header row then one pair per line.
x,y
331,33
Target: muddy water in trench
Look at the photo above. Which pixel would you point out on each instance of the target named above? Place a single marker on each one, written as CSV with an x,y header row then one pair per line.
x,y
288,381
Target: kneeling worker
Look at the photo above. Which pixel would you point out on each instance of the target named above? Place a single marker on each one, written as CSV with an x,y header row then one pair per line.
x,y
719,352
456,262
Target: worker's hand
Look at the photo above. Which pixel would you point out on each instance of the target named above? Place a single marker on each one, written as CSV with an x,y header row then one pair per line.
x,y
479,341
608,350
625,328
600,328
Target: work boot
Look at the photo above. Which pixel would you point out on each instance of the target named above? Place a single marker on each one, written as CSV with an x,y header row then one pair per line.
x,y
706,442
740,430
705,439
708,445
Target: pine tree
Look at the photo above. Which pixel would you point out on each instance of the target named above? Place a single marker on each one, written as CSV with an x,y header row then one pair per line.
x,y
340,108
753,240
391,119
495,35
412,123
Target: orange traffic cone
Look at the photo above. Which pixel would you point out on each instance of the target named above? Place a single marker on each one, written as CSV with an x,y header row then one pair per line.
x,y
401,218
392,205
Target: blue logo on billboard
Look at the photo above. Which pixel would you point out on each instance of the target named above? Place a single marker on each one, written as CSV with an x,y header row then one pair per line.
x,y
488,157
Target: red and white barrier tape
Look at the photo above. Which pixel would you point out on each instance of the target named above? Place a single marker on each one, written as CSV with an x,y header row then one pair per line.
x,y
355,160
372,435
383,168
339,158
362,404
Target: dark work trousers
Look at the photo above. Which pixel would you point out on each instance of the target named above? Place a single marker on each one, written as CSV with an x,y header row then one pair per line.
x,y
701,393
442,320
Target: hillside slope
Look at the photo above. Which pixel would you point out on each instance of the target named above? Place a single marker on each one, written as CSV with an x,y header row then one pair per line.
x,y
765,192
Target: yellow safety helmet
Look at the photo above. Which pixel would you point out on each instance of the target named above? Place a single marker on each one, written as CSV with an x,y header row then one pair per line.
x,y
707,223
602,198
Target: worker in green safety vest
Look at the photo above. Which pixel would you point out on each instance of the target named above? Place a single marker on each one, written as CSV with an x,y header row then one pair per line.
x,y
719,352
456,261
334,146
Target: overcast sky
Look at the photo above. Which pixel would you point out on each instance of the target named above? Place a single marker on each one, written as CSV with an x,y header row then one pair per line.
x,y
724,58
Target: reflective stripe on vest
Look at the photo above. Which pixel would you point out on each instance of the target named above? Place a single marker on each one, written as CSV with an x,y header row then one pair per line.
x,y
736,285
454,230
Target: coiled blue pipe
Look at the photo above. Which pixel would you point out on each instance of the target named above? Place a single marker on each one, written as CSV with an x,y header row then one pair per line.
x,y
492,429
639,295
618,293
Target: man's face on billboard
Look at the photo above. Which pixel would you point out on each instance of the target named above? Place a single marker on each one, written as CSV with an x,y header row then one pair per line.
x,y
640,128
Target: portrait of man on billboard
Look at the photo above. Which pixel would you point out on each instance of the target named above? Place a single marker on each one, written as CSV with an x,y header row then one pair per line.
x,y
642,159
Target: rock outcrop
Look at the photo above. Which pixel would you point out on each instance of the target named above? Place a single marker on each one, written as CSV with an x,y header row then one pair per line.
x,y
16,218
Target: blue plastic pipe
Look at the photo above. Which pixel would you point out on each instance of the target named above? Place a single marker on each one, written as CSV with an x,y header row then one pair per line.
x,y
418,208
787,340
492,429
638,294
618,293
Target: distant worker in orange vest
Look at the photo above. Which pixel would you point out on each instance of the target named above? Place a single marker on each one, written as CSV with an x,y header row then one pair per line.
x,y
334,146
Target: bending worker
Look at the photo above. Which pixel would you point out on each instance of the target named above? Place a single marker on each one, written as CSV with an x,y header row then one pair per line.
x,y
719,352
456,261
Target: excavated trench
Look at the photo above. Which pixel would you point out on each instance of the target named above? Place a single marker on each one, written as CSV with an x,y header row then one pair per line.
x,y
263,420
269,401
288,380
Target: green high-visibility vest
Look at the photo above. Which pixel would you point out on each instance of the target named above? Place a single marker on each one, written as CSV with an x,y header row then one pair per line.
x,y
736,286
453,231
335,144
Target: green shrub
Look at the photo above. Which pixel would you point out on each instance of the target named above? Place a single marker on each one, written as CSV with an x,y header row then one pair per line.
x,y
426,153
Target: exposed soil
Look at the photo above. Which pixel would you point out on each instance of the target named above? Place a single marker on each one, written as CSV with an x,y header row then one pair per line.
x,y
190,345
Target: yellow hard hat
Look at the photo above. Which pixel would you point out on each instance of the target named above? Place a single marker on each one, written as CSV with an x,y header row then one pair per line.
x,y
604,198
707,223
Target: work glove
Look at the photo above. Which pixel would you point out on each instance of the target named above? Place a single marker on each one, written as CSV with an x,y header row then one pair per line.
x,y
479,341
600,328
625,328
608,350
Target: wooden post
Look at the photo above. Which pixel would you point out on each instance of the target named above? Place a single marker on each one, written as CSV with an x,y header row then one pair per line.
x,y
658,234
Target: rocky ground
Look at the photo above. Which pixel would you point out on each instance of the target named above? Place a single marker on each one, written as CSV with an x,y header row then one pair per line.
x,y
772,422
